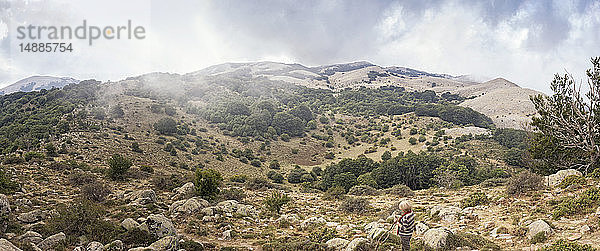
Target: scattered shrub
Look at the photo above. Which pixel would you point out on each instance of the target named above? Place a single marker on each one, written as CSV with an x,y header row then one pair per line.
x,y
563,245
274,165
168,183
257,183
275,176
239,178
356,205
166,126
322,235
584,203
276,201
474,199
572,180
135,146
207,183
334,193
13,159
256,163
147,169
95,191
35,156
362,190
119,166
539,238
400,190
493,182
523,182
7,185
296,174
232,194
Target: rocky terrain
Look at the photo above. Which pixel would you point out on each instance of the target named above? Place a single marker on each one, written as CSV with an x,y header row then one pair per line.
x,y
245,157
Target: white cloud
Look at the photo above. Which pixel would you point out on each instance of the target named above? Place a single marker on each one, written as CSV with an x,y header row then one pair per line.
x,y
523,41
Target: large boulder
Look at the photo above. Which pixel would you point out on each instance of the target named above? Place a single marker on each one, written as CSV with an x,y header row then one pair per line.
x,y
52,241
337,243
358,244
142,197
4,205
188,190
5,245
537,227
246,210
189,206
436,238
159,226
555,179
167,243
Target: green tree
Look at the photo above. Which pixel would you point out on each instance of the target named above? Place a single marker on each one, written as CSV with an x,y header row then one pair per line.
x,y
386,155
572,119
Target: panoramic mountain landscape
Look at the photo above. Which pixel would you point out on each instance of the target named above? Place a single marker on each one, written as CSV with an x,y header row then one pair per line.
x,y
274,156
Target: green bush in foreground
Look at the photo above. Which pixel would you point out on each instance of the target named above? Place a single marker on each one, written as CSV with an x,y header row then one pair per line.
x,y
562,245
572,180
207,183
584,203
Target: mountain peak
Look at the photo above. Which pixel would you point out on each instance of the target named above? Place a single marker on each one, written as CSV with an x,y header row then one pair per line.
x,y
36,83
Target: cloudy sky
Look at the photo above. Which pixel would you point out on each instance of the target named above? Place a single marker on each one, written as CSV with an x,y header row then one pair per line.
x,y
523,41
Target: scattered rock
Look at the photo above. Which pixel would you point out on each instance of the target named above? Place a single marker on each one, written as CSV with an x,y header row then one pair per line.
x,y
116,245
189,206
208,211
449,214
337,243
376,233
159,226
31,217
228,206
555,179
357,244
94,246
30,237
246,210
4,205
312,222
142,197
436,238
5,245
129,224
537,227
228,234
51,241
167,243
188,190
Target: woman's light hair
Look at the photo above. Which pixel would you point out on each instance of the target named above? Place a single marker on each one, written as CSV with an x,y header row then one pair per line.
x,y
405,206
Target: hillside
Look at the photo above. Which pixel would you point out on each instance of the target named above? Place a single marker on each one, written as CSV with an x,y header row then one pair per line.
x,y
36,83
226,159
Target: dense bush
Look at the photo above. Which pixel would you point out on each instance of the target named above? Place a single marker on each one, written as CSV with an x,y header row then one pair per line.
x,y
275,176
166,126
563,245
238,178
523,182
207,183
322,235
119,166
257,183
362,190
356,205
7,184
584,203
232,194
168,182
413,170
346,172
400,190
474,199
297,175
572,180
276,201
95,191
